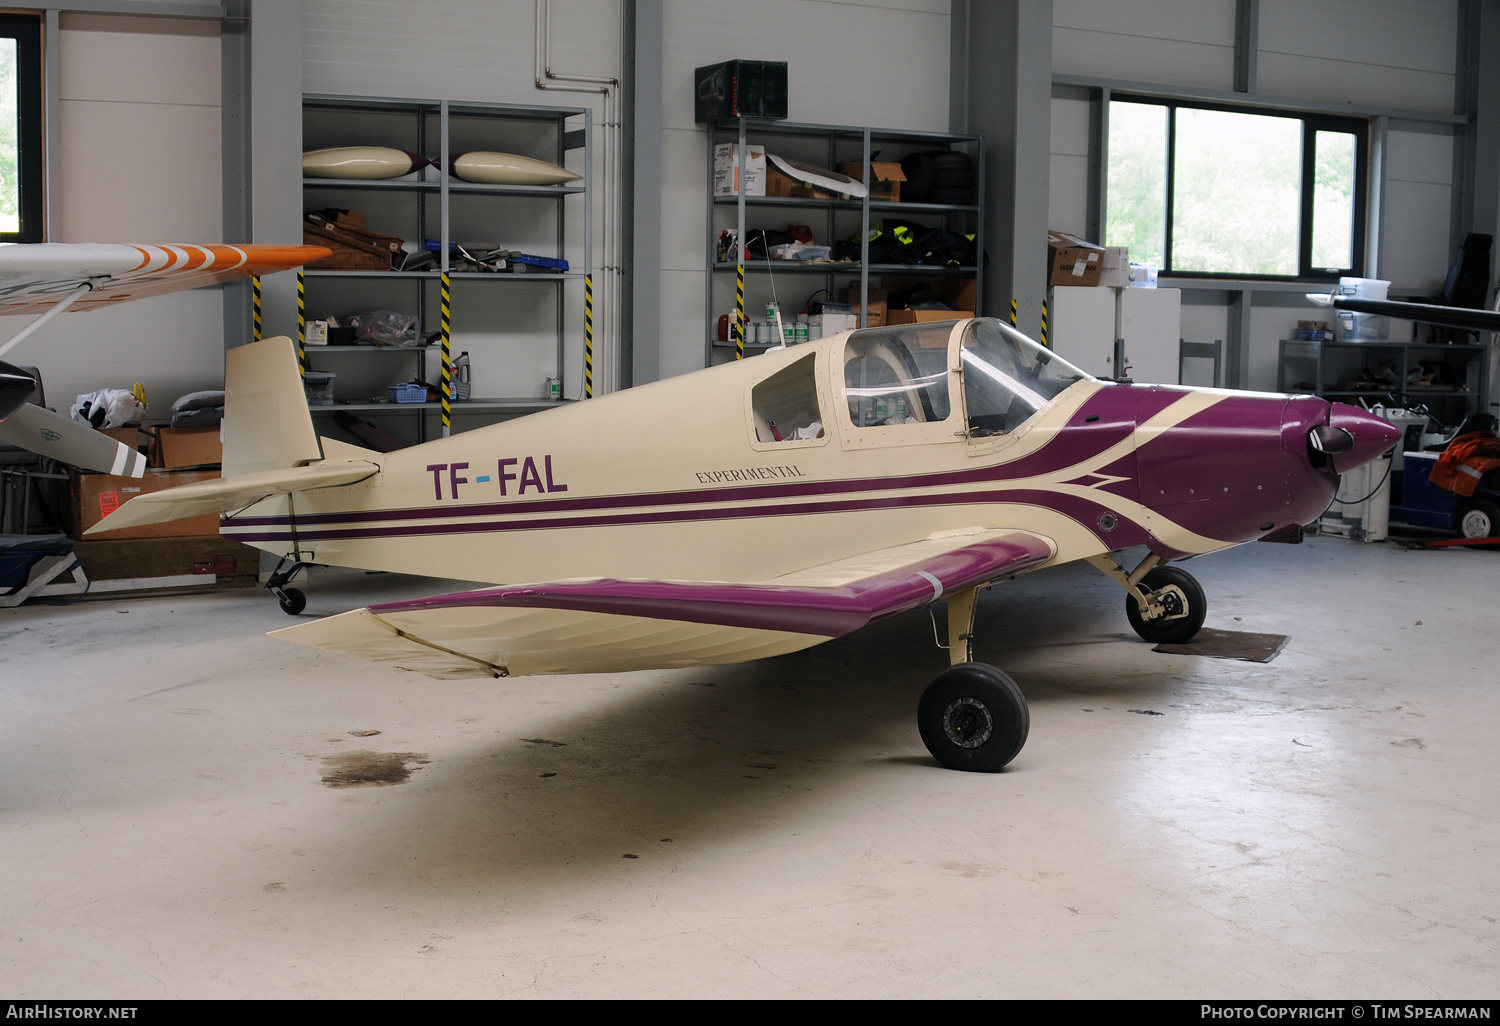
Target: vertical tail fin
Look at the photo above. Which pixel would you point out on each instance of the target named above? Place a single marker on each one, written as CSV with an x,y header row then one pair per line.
x,y
266,422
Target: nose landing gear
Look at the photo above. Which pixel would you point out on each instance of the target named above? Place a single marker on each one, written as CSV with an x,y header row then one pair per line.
x,y
1165,605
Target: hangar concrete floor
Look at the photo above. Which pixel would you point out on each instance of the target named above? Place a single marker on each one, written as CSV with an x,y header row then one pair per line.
x,y
1321,825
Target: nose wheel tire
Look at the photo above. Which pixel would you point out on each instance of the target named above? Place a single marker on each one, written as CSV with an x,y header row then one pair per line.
x,y
973,717
1185,603
1479,518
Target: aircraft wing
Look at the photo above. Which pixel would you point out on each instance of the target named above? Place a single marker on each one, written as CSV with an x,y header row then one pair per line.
x,y
36,276
1452,316
603,625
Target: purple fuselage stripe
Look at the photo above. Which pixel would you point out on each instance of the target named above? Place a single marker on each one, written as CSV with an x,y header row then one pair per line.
x,y
1037,497
1073,444
829,612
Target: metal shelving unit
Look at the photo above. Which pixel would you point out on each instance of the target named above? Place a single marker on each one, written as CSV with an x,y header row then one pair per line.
x,y
1451,404
419,209
841,143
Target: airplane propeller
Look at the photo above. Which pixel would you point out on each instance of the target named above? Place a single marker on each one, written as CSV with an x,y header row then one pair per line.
x,y
57,437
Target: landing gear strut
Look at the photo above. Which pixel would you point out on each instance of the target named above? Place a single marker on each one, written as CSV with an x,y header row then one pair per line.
x,y
1164,605
292,600
972,716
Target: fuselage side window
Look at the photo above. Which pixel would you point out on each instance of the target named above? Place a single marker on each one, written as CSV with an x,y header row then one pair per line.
x,y
785,405
898,376
1008,377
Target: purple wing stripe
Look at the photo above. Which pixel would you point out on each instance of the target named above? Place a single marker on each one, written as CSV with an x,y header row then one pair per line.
x,y
830,612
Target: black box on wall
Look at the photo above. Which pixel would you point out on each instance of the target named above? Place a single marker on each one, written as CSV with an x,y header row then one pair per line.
x,y
740,89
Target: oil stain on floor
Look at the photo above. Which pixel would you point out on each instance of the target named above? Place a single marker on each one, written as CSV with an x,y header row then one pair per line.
x,y
371,769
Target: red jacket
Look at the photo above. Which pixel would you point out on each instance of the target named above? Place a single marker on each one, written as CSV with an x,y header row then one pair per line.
x,y
1467,458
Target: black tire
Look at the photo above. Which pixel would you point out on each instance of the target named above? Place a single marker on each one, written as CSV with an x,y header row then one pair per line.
x,y
946,160
953,197
292,601
1478,518
953,178
973,717
1180,628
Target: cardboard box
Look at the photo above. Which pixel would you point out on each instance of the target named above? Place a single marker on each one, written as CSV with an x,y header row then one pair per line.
x,y
727,170
875,302
1114,268
176,448
829,323
886,177
958,293
1072,261
131,436
95,496
926,316
778,184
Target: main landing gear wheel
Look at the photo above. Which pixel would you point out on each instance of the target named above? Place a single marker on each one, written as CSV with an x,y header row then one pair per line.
x,y
292,601
973,717
1479,518
1184,602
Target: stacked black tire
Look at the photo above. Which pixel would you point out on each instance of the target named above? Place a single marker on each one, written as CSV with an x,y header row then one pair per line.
x,y
938,176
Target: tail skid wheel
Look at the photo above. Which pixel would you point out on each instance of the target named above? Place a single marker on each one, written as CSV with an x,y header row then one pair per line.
x,y
292,600
1185,603
973,717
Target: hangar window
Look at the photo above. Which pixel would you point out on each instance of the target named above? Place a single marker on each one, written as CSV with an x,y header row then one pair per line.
x,y
21,128
785,405
895,376
1245,193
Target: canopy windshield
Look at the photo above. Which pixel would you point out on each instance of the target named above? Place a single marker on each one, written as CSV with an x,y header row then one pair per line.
x,y
1008,377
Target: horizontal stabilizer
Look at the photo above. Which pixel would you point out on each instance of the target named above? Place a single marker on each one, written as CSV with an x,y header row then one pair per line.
x,y
226,494
605,625
63,439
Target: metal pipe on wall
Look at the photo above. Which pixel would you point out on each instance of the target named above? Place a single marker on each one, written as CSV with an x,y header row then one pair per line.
x,y
607,308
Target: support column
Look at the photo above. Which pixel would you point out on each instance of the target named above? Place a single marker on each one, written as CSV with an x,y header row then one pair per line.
x,y
273,161
641,145
1005,50
234,100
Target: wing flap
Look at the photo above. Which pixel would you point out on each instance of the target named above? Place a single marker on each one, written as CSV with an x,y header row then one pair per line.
x,y
226,494
607,625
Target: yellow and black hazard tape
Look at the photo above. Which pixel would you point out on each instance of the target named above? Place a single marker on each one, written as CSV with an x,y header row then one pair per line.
x,y
446,390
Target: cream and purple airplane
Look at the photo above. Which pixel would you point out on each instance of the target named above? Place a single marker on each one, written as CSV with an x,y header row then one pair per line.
x,y
771,504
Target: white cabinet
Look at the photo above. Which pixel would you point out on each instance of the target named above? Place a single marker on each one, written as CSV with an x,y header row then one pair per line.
x,y
1086,322
1083,328
1150,322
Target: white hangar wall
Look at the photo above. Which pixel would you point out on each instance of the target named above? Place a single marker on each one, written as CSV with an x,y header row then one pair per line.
x,y
1397,53
139,153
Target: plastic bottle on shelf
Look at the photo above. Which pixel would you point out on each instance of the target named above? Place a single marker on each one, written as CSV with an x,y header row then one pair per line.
x,y
461,380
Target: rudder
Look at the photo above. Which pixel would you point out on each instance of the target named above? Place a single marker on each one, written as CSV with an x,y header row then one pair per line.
x,y
267,425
